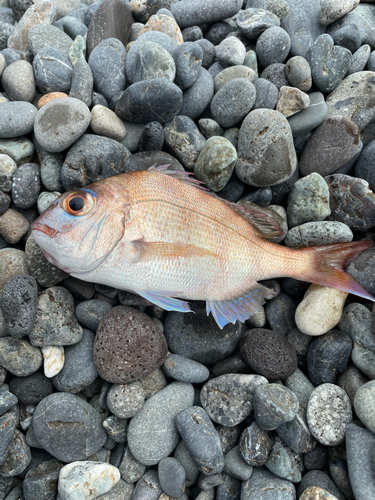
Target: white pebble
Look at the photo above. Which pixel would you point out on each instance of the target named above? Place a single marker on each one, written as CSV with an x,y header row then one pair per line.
x,y
54,359
320,309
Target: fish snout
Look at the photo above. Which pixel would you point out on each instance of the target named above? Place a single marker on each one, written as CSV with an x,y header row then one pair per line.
x,y
43,228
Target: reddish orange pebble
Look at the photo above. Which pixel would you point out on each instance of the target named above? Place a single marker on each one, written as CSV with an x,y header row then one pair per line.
x,y
50,97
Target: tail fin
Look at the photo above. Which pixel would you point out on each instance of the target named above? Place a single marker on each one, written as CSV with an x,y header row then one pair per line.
x,y
329,264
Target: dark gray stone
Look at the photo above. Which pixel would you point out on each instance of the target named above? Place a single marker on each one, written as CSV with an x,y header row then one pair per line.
x,y
197,97
149,100
233,102
218,31
266,94
18,302
67,427
116,428
130,468
228,399
53,70
296,434
145,160
19,357
363,166
275,73
202,440
107,63
191,13
148,487
74,27
91,159
7,400
41,481
16,119
272,46
8,423
26,185
320,479
311,117
348,36
32,389
262,481
90,312
297,24
153,61
184,369
351,380
360,444
171,477
253,22
255,445
280,312
192,34
152,137
183,455
235,465
72,378
18,458
338,469
188,58
82,82
317,458
274,405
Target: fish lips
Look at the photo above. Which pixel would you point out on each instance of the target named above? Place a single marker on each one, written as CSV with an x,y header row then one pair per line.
x,y
43,228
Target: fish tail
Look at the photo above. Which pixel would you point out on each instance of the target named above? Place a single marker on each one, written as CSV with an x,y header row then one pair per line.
x,y
329,262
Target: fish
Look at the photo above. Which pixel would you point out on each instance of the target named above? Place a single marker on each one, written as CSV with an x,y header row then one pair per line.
x,y
161,234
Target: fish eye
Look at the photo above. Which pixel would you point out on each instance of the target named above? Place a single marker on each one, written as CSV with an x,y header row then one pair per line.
x,y
78,203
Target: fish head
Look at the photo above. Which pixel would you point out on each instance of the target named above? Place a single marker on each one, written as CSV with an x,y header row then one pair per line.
x,y
79,230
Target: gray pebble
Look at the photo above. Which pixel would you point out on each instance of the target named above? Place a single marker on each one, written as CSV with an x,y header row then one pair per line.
x,y
267,94
79,432
188,58
19,357
253,22
26,185
228,399
298,72
328,413
107,63
235,465
318,233
272,46
192,34
7,168
55,323
351,380
296,434
8,423
18,81
229,488
171,477
182,136
298,382
364,401
82,82
255,445
197,97
233,102
349,37
46,35
18,303
19,456
210,127
130,469
152,137
363,165
125,400
16,119
232,73
72,378
230,52
32,389
116,428
74,27
184,369
52,70
148,487
311,117
283,463
360,444
274,405
50,168
90,312
191,13
7,400
158,414
276,74
256,151
321,480
359,60
183,455
202,440
262,481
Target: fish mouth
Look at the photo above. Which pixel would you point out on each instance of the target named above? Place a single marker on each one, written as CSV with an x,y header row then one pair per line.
x,y
37,226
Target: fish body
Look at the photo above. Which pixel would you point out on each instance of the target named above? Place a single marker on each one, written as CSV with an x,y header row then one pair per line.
x,y
160,234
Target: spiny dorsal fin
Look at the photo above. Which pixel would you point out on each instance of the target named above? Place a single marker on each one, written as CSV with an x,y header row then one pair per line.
x,y
180,175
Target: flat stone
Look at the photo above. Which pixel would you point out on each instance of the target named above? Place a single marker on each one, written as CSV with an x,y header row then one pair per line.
x,y
256,151
272,46
318,233
172,477
266,94
191,13
233,102
158,413
153,61
46,35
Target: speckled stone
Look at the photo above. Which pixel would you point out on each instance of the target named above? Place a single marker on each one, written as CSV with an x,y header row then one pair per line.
x,y
17,119
360,445
298,72
188,60
319,479
121,326
13,225
19,456
153,61
255,445
296,433
148,487
268,353
45,273
233,102
266,94
298,382
318,233
18,81
158,414
171,476
291,101
28,175
12,262
230,52
131,470
125,400
328,413
256,151
228,399
82,82
315,492
253,22
19,357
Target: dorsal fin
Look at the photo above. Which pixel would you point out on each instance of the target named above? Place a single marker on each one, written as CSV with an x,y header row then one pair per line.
x,y
265,224
180,175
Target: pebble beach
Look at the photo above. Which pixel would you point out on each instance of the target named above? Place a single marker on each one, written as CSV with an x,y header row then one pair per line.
x,y
104,395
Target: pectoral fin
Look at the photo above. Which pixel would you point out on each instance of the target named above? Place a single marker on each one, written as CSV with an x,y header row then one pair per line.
x,y
150,250
165,301
229,311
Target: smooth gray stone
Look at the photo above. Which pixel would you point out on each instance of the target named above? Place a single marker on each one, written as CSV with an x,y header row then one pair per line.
x,y
90,312
82,82
18,81
107,63
197,97
311,117
53,70
171,477
41,481
202,440
74,27
233,102
298,72
153,61
191,13
272,46
363,167
364,402
322,480
7,400
183,455
284,463
252,22
296,434
298,25
360,446
16,119
351,380
235,465
148,487
262,481
152,434
46,35
188,60
185,369
299,383
19,357
266,94
8,423
50,168
130,468
274,405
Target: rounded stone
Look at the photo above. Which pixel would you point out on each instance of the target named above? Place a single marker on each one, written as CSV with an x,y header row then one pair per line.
x,y
60,123
19,357
314,492
13,225
26,185
268,353
309,118
264,135
12,262
90,312
197,97
67,427
275,73
7,169
233,102
364,402
267,94
188,60
152,137
215,163
272,46
55,323
153,61
41,480
351,380
295,433
230,52
72,378
233,73
18,81
253,22
172,477
328,412
32,389
128,346
320,479
82,82
198,337
19,457
298,72
274,405
299,383
16,119
191,13
328,356
46,35
53,71
284,463
106,122
157,99
262,481
228,399
152,433
320,310
107,63
18,303
125,400
318,233
184,369
360,445
363,165
45,199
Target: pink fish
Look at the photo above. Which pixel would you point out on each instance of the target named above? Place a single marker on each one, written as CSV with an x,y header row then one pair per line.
x,y
160,234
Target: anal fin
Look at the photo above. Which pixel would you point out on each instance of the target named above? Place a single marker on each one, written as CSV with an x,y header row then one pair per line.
x,y
165,301
239,308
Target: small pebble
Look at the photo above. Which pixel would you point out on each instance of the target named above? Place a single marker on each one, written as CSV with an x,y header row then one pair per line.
x,y
262,481
255,444
105,122
54,358
184,369
28,175
125,400
274,405
291,101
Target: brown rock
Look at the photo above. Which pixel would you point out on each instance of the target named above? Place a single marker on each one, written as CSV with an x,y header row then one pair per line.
x,y
291,100
165,24
13,226
316,493
12,262
50,97
352,201
331,145
113,19
128,346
